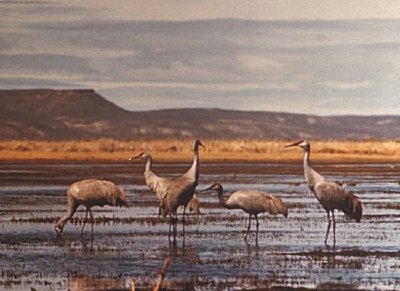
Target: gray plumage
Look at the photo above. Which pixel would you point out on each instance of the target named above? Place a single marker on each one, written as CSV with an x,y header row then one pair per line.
x,y
89,193
180,191
252,202
329,193
160,185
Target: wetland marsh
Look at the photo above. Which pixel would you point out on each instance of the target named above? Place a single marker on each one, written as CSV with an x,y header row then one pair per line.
x,y
131,244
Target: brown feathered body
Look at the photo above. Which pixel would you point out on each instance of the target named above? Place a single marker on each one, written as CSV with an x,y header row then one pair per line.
x,y
329,193
181,190
157,184
161,185
332,196
252,202
255,202
89,193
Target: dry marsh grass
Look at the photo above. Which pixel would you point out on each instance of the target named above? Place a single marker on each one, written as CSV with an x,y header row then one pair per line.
x,y
181,150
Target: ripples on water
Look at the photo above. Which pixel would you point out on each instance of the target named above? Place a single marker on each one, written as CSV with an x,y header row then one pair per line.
x,y
213,255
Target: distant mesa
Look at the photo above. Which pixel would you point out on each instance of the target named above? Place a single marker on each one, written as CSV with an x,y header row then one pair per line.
x,y
43,114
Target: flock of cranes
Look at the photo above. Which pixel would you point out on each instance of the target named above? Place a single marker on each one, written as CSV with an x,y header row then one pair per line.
x,y
173,193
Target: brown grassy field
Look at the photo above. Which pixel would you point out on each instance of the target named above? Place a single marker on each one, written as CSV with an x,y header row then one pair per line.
x,y
181,150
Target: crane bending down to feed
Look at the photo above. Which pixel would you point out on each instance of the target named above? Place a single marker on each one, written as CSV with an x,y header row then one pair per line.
x,y
252,202
180,191
90,192
328,193
158,185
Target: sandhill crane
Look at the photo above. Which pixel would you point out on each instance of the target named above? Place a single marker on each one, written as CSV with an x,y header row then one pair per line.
x,y
90,192
159,185
252,202
180,191
328,193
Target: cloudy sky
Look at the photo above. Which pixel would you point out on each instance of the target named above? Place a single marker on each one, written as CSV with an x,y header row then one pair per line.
x,y
318,57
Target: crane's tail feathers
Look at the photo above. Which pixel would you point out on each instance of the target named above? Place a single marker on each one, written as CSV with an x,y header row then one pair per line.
x,y
354,207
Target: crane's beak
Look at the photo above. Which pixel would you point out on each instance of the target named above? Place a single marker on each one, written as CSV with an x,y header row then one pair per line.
x,y
205,190
122,203
129,204
200,144
136,157
209,188
294,144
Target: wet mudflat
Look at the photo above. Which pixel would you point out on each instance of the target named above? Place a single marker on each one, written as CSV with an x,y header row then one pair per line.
x,y
131,244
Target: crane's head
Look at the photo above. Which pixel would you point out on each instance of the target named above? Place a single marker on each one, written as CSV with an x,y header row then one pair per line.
x,y
196,145
302,143
214,186
141,156
59,229
121,200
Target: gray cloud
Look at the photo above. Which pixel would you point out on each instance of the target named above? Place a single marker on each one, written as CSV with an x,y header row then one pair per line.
x,y
320,67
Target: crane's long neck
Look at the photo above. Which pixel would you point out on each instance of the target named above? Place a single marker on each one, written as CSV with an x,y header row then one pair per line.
x,y
311,176
195,168
221,200
306,161
149,164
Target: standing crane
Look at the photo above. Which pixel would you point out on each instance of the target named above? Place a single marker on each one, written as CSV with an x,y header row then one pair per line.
x,y
89,193
328,193
158,185
252,202
180,191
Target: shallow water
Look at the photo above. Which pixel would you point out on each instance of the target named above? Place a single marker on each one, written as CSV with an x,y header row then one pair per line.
x,y
131,244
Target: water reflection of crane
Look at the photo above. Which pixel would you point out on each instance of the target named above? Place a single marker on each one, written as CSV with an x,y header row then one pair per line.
x,y
328,193
95,283
252,202
90,192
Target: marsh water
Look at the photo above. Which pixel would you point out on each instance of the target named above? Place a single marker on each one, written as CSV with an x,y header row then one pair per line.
x,y
129,245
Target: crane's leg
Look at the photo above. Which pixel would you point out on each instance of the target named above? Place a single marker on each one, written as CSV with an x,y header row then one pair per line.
x,y
91,218
334,227
84,221
170,224
257,225
248,229
175,224
329,227
184,212
183,221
